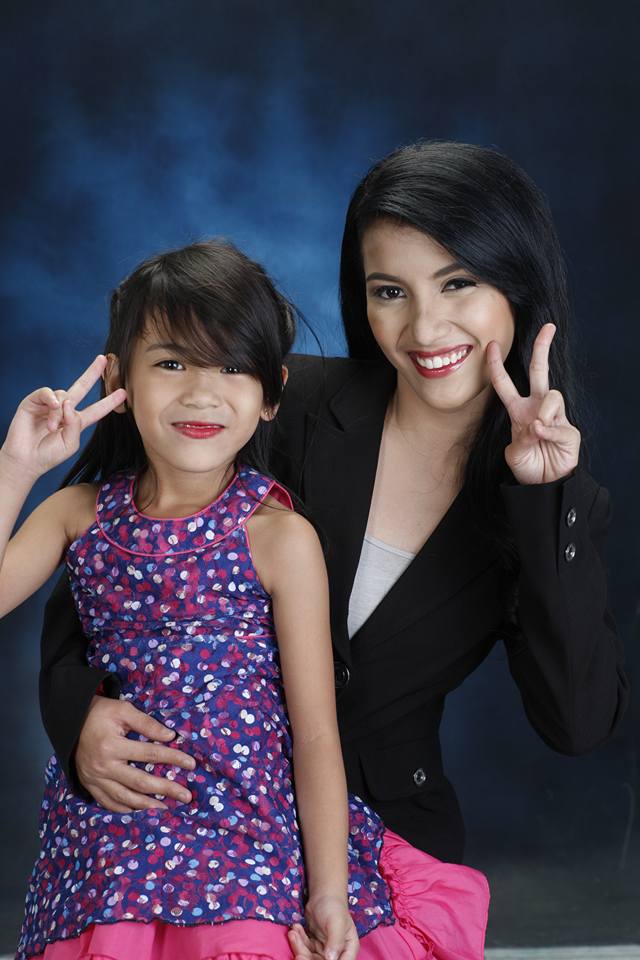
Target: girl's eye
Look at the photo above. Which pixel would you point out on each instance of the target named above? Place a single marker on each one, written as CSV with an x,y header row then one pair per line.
x,y
170,365
388,293
231,369
459,283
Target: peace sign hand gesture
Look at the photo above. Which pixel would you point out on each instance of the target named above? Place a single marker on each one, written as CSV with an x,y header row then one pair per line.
x,y
544,445
46,428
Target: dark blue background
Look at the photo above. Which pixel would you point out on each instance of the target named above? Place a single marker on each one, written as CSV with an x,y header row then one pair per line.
x,y
130,127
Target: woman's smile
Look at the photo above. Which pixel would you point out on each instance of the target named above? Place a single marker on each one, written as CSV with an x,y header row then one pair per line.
x,y
440,363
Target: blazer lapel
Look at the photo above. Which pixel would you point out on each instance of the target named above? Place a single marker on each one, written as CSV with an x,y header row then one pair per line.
x,y
339,474
455,553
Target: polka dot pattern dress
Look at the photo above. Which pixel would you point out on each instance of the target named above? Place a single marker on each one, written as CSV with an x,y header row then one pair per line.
x,y
174,607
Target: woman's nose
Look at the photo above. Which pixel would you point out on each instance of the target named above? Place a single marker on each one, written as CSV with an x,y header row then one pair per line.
x,y
428,322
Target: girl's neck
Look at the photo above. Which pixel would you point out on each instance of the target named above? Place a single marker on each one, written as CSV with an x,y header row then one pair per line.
x,y
163,491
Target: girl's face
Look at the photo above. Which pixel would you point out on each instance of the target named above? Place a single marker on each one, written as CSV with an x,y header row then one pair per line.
x,y
431,318
190,418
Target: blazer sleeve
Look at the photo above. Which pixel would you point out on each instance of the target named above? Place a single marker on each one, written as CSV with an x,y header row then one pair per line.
x,y
562,645
67,682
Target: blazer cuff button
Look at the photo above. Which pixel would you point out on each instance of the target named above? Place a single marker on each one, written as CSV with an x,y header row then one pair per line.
x,y
341,674
419,777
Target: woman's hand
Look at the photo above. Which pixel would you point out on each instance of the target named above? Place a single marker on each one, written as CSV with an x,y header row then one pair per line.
x,y
331,932
46,427
104,754
544,445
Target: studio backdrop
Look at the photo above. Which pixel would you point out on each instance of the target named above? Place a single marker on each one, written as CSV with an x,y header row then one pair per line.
x,y
129,128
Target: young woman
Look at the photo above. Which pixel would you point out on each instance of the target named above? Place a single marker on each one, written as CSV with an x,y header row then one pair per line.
x,y
443,463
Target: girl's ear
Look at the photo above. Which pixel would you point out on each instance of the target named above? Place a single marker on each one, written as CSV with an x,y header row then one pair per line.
x,y
269,412
111,377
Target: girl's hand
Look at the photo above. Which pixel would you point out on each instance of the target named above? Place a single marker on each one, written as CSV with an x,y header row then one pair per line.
x,y
46,427
544,445
331,932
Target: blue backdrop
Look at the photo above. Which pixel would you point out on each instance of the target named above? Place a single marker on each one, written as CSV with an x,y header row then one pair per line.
x,y
130,127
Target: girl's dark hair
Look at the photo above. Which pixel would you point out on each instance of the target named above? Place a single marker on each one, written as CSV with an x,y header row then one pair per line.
x,y
490,216
220,308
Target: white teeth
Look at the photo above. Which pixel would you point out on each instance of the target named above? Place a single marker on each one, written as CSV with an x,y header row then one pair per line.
x,y
445,360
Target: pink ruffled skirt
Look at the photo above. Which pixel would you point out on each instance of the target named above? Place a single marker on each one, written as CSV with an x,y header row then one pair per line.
x,y
440,909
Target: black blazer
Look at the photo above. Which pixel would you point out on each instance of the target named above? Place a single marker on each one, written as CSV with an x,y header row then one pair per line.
x,y
436,624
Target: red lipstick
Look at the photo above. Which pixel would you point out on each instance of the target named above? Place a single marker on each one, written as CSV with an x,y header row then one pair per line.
x,y
197,430
440,362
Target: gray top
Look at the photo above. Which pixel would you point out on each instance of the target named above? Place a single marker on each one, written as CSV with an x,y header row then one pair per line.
x,y
379,567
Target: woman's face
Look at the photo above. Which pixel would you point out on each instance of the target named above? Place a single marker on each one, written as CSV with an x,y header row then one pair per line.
x,y
432,318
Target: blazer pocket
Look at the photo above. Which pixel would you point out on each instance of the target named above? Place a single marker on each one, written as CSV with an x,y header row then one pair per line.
x,y
401,770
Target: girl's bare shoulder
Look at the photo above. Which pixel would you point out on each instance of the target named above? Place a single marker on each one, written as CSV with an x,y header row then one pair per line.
x,y
75,505
273,519
280,539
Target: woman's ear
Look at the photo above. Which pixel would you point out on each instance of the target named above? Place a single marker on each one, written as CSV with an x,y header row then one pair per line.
x,y
111,377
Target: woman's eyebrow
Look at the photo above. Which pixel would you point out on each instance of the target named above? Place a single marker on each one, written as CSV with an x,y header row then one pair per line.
x,y
442,272
383,276
450,268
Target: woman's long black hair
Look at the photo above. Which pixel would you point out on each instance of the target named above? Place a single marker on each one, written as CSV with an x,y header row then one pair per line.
x,y
222,309
486,212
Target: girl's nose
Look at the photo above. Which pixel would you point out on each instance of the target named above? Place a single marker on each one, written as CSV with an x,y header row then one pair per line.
x,y
204,389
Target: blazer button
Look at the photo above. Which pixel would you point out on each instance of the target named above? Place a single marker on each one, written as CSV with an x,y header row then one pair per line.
x,y
569,552
341,674
571,517
419,777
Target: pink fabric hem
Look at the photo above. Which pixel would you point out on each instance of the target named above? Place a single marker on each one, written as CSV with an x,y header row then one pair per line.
x,y
440,909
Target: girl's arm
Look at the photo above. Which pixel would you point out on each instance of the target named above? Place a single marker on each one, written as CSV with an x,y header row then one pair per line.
x,y
44,432
32,555
290,564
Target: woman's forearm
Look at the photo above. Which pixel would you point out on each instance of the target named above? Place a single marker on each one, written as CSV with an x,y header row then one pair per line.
x,y
321,795
567,657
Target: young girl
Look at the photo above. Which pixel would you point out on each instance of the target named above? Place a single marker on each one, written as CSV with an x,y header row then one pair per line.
x,y
185,562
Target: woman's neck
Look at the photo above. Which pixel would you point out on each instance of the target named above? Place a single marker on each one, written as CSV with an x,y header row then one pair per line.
x,y
442,436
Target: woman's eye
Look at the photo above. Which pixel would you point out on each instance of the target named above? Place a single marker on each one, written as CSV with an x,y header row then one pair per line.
x,y
170,365
388,293
459,283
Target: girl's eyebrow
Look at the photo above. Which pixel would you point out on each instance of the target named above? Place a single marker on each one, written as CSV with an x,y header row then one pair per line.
x,y
165,346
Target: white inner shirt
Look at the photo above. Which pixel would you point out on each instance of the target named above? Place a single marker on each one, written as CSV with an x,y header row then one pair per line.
x,y
379,567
